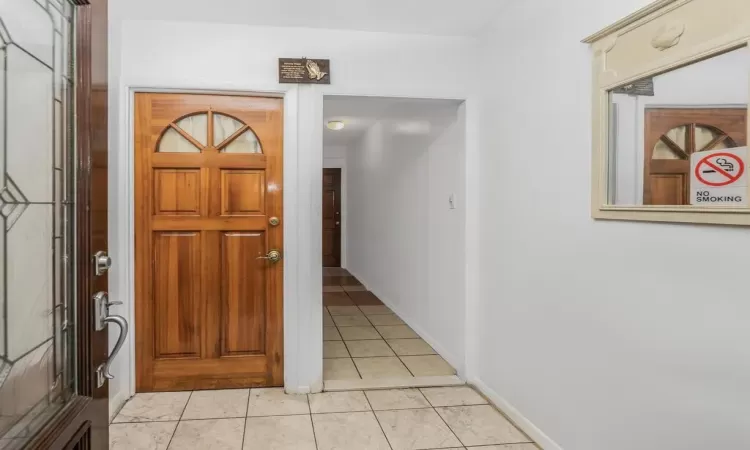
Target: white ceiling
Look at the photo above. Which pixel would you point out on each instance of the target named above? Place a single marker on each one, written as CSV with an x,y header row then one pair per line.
x,y
436,17
400,116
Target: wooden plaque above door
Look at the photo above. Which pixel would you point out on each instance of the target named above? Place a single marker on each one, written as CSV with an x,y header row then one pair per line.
x,y
208,181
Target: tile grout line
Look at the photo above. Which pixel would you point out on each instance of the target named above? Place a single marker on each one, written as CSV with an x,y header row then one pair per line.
x,y
377,420
372,410
347,349
180,419
394,350
389,345
278,415
247,409
312,423
446,423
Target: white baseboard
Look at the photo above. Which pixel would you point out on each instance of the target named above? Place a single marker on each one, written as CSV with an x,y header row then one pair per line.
x,y
298,390
544,441
116,403
454,361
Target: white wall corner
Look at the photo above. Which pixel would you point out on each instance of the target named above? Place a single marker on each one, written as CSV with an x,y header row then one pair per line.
x,y
515,416
471,111
116,402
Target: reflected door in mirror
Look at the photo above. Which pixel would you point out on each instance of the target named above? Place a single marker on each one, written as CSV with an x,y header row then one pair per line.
x,y
672,135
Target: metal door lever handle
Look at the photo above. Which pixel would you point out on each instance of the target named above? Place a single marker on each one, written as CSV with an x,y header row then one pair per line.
x,y
102,371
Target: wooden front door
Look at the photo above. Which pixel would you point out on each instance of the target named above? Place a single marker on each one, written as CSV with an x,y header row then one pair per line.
x,y
332,217
672,135
208,189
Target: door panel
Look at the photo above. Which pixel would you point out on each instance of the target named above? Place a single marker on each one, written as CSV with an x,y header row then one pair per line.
x,y
332,217
668,189
243,294
672,135
177,294
177,192
208,307
242,192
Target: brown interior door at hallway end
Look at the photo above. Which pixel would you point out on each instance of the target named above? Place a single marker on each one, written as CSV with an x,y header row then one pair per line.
x,y
672,135
208,284
332,217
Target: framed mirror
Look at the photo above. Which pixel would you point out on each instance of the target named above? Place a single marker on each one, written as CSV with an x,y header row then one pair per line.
x,y
670,114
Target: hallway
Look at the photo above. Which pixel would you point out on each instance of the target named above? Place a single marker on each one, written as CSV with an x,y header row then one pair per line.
x,y
454,418
363,339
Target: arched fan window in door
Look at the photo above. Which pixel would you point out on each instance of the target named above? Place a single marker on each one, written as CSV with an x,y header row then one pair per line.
x,y
680,142
209,131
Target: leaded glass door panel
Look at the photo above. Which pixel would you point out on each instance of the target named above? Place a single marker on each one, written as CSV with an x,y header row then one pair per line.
x,y
49,397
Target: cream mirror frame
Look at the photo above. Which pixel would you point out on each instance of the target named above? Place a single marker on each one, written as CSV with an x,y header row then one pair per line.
x,y
665,36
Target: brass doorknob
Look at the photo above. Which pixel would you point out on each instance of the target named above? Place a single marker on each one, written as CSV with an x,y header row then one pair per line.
x,y
273,256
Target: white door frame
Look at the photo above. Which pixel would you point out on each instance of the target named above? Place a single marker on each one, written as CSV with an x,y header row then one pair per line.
x,y
303,171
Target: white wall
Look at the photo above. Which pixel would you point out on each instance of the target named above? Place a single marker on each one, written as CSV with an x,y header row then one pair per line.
x,y
404,241
334,152
721,81
605,335
199,56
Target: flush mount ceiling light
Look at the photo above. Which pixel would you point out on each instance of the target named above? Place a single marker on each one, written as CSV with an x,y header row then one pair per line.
x,y
335,125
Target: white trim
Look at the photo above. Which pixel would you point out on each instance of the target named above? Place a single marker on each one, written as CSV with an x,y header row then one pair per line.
x,y
116,403
472,239
534,432
307,317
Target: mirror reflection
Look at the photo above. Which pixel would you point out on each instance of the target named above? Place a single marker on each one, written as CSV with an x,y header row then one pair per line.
x,y
680,138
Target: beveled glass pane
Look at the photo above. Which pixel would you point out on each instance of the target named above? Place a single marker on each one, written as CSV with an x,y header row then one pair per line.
x,y
196,126
23,395
30,127
247,142
59,132
174,142
663,151
29,247
224,126
59,68
705,136
30,27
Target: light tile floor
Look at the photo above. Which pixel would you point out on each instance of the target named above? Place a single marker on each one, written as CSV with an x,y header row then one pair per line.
x,y
268,419
363,339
